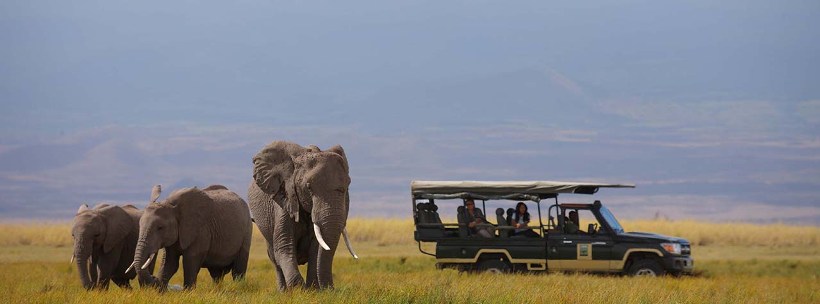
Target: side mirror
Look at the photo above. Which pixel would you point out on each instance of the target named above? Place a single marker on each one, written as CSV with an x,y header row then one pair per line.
x,y
591,228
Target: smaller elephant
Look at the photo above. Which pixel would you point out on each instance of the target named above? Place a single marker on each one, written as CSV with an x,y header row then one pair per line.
x,y
104,242
208,228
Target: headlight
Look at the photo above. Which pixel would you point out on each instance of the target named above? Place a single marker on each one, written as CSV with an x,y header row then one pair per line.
x,y
673,248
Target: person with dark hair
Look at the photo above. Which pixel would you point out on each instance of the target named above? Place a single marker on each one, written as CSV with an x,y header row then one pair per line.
x,y
520,220
571,223
476,220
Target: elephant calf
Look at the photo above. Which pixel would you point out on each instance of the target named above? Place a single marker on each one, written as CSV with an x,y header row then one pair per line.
x,y
208,228
107,235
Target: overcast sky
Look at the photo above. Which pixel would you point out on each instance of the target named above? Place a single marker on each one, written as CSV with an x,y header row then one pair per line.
x,y
711,107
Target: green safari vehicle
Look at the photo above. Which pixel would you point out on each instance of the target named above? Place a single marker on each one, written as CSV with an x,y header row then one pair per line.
x,y
582,237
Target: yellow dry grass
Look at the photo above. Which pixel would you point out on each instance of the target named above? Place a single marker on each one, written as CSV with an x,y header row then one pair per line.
x,y
737,262
400,231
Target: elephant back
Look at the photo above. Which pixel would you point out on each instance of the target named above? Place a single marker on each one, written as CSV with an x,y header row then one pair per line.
x,y
229,204
134,213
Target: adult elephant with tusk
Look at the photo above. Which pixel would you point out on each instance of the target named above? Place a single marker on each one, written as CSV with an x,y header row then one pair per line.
x,y
299,200
208,228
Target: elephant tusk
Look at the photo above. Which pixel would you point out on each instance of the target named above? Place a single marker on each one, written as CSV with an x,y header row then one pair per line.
x,y
148,261
347,242
319,237
130,267
72,259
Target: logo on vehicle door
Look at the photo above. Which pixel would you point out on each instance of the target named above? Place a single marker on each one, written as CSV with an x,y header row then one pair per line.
x,y
583,250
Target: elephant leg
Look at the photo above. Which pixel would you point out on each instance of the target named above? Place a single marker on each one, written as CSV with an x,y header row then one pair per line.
x,y
240,265
284,249
280,276
313,266
191,263
290,270
105,266
217,273
169,266
122,282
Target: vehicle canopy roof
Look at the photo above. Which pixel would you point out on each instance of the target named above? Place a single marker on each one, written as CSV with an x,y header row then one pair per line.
x,y
511,190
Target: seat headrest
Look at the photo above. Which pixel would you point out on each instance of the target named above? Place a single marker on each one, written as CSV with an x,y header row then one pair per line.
x,y
427,207
499,211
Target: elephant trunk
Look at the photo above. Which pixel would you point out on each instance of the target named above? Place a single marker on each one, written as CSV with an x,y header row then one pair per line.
x,y
143,255
82,254
330,231
325,264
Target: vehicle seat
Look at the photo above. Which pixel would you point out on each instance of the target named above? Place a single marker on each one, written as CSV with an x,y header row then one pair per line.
x,y
463,230
428,214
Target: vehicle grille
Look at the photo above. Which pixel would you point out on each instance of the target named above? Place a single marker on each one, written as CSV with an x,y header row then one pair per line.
x,y
685,249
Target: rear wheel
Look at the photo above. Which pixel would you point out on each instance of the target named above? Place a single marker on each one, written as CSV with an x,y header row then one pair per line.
x,y
494,266
646,268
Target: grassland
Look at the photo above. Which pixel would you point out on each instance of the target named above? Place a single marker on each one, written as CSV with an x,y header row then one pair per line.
x,y
737,263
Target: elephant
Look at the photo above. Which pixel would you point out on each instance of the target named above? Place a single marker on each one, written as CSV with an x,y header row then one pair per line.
x,y
107,234
208,228
299,200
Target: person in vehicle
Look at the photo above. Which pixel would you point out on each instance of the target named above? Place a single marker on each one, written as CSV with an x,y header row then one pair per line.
x,y
570,223
476,217
520,220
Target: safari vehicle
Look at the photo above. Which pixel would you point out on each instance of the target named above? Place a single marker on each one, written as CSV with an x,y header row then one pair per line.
x,y
557,244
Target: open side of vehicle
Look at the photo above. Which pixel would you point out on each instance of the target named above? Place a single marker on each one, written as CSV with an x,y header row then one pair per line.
x,y
576,237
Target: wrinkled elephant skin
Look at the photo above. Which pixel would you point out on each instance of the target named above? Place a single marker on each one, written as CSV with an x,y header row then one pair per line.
x,y
299,200
208,228
105,239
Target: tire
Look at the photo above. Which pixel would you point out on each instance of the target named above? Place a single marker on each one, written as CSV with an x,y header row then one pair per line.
x,y
646,268
494,266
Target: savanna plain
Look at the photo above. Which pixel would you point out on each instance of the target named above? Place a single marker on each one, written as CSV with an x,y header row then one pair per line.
x,y
735,263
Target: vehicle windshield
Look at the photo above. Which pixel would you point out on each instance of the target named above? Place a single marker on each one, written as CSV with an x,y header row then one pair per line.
x,y
613,222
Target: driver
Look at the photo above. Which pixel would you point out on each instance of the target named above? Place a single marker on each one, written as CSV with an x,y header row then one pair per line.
x,y
574,222
570,223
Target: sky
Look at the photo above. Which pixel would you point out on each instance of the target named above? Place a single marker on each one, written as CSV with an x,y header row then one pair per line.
x,y
712,108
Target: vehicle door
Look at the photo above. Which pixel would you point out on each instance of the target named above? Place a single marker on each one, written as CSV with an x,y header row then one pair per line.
x,y
580,249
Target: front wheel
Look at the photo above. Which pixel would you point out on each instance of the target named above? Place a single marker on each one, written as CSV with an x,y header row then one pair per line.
x,y
646,268
494,266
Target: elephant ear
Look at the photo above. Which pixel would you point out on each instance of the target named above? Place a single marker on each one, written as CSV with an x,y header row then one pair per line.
x,y
117,226
273,173
341,151
191,216
273,166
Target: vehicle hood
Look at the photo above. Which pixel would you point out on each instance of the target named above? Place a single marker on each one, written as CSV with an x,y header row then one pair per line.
x,y
654,237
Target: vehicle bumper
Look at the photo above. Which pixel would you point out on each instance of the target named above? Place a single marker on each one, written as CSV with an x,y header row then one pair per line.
x,y
680,264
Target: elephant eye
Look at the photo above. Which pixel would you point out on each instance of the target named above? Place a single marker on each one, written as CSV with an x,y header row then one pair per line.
x,y
340,190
